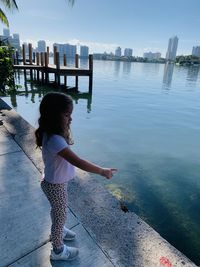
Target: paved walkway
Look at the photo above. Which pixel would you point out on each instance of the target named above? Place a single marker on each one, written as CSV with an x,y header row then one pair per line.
x,y
105,235
24,215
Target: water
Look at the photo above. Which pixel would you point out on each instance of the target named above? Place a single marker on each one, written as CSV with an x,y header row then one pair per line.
x,y
144,120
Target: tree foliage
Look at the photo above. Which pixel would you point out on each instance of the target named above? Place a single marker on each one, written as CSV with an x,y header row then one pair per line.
x,y
7,4
187,60
6,69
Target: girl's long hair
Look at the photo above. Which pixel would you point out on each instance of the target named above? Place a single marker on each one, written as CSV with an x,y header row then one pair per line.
x,y
52,107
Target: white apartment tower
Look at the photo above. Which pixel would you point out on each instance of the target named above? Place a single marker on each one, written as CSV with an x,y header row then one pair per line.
x,y
196,51
128,52
151,56
67,49
41,46
118,52
84,51
6,32
172,48
15,41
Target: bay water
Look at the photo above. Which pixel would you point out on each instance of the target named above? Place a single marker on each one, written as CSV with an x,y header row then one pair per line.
x,y
144,120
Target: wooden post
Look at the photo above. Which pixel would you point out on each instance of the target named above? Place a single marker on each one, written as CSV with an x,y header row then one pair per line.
x,y
57,68
91,75
46,67
46,59
30,51
38,76
54,54
31,74
91,62
24,54
42,58
34,57
65,64
65,60
37,59
17,57
48,54
42,64
76,66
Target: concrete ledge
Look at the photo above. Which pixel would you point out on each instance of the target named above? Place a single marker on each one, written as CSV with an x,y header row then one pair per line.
x,y
124,237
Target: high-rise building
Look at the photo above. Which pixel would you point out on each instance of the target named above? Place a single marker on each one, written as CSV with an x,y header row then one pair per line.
x,y
69,50
15,42
172,48
6,38
118,52
6,32
152,56
128,52
196,51
12,40
84,51
41,46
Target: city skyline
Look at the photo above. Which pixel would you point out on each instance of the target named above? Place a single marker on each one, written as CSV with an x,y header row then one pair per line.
x,y
104,26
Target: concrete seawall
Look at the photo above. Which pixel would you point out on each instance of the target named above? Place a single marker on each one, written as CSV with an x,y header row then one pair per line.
x,y
123,238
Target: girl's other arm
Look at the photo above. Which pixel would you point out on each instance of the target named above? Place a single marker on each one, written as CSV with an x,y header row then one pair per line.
x,y
85,165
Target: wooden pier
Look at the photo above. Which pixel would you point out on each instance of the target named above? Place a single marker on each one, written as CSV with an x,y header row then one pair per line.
x,y
39,62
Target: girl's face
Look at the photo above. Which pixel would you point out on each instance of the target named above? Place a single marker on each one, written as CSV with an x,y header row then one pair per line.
x,y
67,119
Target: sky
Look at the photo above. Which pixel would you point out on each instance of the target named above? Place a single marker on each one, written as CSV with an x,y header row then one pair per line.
x,y
103,25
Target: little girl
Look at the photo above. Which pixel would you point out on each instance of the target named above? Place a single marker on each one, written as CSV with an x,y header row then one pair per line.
x,y
53,135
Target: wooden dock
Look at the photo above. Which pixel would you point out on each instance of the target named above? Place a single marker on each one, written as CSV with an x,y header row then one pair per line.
x,y
39,62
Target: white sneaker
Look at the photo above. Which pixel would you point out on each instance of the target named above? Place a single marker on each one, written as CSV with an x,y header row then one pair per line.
x,y
68,253
68,235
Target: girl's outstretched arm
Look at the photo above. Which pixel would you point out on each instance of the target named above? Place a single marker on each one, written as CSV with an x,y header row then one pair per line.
x,y
85,165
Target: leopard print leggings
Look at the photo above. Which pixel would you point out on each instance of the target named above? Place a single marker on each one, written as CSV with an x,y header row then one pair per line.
x,y
57,196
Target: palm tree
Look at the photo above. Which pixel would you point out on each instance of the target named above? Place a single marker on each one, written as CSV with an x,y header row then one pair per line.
x,y
8,4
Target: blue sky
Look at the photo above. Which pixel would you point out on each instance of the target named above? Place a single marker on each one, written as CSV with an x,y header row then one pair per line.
x,y
143,25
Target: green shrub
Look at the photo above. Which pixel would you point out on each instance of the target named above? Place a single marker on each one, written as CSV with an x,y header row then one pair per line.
x,y
6,69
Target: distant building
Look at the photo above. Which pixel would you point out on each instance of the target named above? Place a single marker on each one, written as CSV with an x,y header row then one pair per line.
x,y
69,50
196,51
6,32
118,52
172,48
84,51
152,56
41,46
15,41
128,52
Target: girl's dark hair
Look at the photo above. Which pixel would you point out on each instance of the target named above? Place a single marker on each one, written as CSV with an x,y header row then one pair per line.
x,y
52,106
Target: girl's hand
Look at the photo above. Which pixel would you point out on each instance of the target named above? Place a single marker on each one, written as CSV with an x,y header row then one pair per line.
x,y
108,173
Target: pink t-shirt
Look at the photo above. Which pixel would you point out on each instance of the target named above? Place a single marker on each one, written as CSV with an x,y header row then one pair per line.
x,y
57,170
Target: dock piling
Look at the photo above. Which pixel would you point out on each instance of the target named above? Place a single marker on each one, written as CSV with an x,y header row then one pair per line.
x,y
91,75
57,68
65,64
30,52
54,54
39,63
76,66
24,54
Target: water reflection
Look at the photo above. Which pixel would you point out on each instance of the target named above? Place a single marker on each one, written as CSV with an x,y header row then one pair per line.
x,y
167,76
116,67
126,67
31,88
192,75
